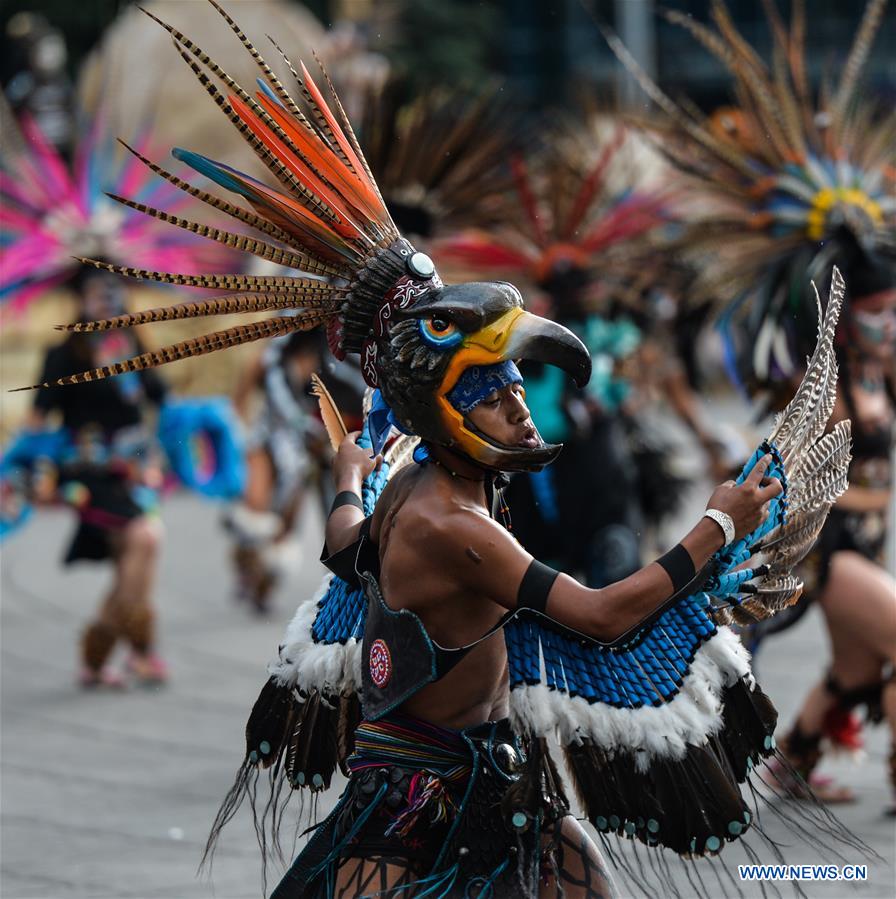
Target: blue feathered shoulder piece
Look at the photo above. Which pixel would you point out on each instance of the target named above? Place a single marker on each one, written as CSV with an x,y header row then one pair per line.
x,y
660,727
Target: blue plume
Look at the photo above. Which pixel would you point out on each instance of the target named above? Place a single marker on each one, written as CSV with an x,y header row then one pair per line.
x,y
266,90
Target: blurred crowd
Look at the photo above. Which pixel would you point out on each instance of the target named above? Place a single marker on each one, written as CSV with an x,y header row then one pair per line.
x,y
679,244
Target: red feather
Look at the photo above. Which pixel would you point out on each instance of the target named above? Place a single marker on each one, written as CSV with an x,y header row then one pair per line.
x,y
527,198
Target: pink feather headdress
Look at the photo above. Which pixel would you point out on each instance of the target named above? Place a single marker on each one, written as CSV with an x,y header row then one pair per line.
x,y
52,212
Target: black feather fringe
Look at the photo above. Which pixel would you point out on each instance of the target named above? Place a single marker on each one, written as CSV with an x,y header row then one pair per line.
x,y
694,805
313,750
691,805
299,739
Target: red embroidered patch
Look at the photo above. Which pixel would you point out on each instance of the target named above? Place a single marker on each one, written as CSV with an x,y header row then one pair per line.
x,y
380,663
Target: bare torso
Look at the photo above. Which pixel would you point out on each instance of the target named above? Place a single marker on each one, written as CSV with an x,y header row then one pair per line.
x,y
415,575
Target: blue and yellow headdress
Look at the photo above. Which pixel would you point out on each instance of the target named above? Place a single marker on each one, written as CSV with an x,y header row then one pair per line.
x,y
783,186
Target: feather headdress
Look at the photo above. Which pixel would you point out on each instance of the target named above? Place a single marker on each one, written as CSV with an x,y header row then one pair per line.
x,y
51,212
325,219
573,203
440,159
784,184
349,270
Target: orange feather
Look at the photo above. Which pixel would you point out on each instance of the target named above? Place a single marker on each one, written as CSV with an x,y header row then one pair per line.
x,y
325,161
303,174
341,139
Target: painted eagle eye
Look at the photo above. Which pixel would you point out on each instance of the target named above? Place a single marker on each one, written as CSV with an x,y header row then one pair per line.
x,y
440,332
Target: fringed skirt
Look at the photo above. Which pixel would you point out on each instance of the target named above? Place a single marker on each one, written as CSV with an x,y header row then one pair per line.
x,y
435,800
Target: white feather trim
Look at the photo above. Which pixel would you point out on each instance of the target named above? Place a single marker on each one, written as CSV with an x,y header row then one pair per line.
x,y
328,667
664,731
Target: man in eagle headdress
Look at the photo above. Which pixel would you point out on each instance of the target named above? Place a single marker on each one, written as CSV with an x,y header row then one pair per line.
x,y
440,656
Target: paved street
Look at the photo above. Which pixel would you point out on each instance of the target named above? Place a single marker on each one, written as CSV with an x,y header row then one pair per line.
x,y
111,796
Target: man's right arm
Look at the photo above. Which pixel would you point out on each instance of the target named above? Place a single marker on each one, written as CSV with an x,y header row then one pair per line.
x,y
351,466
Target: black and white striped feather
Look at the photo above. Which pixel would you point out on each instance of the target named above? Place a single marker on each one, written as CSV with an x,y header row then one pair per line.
x,y
816,465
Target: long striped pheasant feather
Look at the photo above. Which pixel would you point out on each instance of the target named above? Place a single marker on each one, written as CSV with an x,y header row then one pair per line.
x,y
321,218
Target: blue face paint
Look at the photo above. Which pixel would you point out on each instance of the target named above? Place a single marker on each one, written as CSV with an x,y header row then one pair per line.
x,y
479,381
474,385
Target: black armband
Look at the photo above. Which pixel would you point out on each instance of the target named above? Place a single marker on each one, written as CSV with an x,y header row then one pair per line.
x,y
535,586
679,566
356,558
346,498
